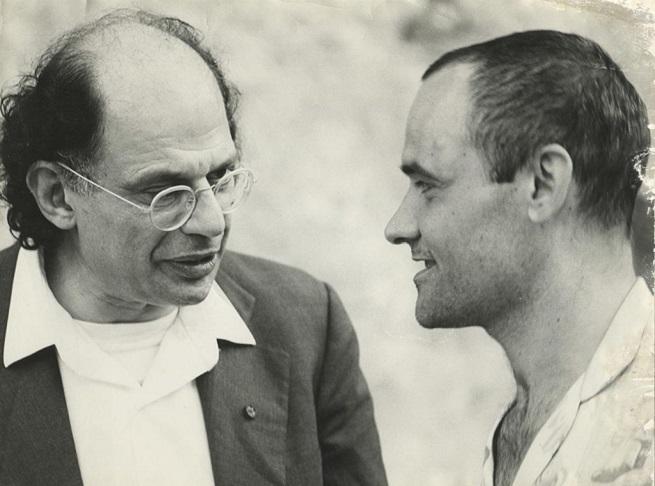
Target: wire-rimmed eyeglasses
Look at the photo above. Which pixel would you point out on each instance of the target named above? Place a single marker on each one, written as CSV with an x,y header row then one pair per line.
x,y
172,207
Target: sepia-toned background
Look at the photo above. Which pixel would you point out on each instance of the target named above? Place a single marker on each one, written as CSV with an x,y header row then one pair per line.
x,y
326,86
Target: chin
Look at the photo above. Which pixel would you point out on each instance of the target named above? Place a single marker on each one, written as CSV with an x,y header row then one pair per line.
x,y
190,293
426,311
425,319
194,298
430,318
191,297
428,322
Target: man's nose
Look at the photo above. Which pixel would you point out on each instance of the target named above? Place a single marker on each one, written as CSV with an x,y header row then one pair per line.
x,y
402,227
207,218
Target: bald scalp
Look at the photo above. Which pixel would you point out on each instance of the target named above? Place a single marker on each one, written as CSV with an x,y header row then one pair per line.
x,y
142,73
111,67
136,60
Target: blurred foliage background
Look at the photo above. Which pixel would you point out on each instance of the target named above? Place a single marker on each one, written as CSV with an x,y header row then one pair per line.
x,y
326,86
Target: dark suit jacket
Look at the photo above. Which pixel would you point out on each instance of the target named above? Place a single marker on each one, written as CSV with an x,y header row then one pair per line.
x,y
314,418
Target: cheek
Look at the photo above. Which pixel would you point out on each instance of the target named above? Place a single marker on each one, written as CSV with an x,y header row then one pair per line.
x,y
468,237
441,227
119,239
141,246
497,250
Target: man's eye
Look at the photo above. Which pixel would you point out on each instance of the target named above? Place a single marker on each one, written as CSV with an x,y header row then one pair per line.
x,y
422,186
146,196
214,177
151,192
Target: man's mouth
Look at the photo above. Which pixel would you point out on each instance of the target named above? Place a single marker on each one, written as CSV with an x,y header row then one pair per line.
x,y
427,264
195,259
194,265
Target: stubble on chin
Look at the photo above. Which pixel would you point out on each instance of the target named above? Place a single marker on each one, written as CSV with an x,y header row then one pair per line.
x,y
439,313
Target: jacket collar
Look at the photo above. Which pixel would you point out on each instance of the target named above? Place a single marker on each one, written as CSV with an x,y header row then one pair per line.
x,y
7,269
242,300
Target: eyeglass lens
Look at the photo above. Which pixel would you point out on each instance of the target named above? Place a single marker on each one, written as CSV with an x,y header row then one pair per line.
x,y
172,207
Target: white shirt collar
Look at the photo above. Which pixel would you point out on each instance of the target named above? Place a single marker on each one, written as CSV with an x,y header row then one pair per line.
x,y
36,320
616,351
621,341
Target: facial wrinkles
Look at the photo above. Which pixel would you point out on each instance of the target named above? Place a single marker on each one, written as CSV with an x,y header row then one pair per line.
x,y
175,244
94,289
204,119
145,139
180,165
148,148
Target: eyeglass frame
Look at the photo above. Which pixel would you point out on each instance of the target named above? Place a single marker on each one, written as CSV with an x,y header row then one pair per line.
x,y
149,210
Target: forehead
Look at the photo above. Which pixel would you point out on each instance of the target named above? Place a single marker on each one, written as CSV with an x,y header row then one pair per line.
x,y
162,103
439,115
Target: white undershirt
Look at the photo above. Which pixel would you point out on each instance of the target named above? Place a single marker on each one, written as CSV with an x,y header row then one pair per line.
x,y
130,389
152,430
134,346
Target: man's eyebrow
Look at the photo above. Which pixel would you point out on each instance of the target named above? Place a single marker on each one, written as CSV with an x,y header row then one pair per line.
x,y
414,169
174,173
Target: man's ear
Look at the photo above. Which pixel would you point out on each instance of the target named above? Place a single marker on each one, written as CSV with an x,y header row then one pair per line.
x,y
551,174
45,183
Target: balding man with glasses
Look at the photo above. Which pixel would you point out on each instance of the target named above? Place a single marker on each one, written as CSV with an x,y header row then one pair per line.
x,y
128,357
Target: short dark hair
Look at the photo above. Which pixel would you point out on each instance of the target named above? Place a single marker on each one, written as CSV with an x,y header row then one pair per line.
x,y
56,113
533,88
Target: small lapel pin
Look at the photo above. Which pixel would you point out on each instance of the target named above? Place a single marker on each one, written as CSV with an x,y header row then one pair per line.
x,y
250,412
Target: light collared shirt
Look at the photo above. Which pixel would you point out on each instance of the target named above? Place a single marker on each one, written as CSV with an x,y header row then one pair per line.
x,y
601,433
129,428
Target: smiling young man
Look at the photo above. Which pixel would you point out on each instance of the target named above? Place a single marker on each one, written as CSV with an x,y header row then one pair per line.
x,y
523,155
135,349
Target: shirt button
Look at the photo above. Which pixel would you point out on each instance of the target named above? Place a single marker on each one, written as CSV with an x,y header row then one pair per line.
x,y
250,412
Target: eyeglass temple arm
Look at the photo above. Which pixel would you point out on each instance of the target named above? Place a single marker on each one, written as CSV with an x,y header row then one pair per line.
x,y
142,208
101,188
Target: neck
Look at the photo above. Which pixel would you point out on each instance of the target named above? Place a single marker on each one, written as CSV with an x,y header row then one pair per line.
x,y
81,293
551,339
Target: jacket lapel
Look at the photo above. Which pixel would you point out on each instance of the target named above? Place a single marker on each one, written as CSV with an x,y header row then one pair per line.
x,y
37,442
242,300
244,399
